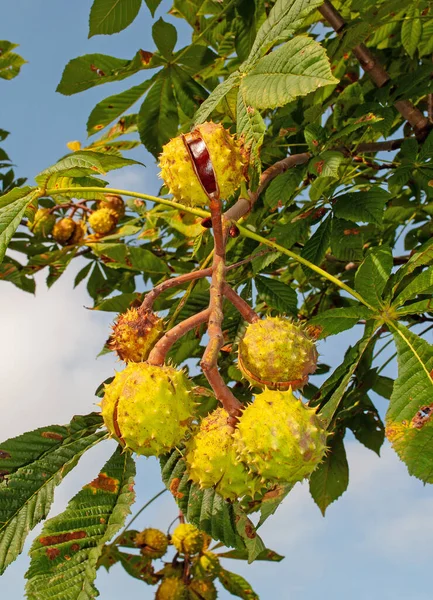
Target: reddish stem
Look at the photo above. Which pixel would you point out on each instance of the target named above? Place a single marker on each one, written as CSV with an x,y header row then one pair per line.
x,y
163,346
243,307
216,338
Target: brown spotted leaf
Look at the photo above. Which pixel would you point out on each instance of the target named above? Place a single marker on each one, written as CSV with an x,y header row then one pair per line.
x,y
47,454
207,510
237,585
64,557
409,424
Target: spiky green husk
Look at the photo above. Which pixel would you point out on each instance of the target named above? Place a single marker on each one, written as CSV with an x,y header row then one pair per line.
x,y
277,354
171,588
178,173
63,230
43,223
147,408
187,539
103,221
200,589
114,203
207,566
134,334
212,461
152,542
280,438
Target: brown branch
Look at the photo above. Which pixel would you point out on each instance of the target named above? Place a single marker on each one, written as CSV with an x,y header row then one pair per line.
x,y
163,346
243,307
377,73
169,283
151,296
216,338
243,206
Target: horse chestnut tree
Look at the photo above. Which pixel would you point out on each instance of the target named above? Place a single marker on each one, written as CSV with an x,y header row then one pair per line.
x,y
295,153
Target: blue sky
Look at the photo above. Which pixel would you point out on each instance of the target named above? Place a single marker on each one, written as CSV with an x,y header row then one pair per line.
x,y
374,543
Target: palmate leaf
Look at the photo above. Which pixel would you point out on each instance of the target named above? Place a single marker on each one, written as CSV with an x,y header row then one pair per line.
x,y
236,585
64,557
13,206
373,274
277,294
334,388
337,320
165,37
106,111
111,16
85,72
216,96
423,256
331,478
411,30
297,68
421,284
47,454
207,510
285,18
84,163
366,207
408,421
158,117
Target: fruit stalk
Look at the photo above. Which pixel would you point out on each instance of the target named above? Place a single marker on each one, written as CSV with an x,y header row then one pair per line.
x,y
216,338
239,303
163,346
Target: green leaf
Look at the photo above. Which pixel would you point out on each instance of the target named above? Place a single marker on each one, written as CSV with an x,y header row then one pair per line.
x,y
250,125
416,308
130,257
421,284
366,423
265,555
203,508
409,427
236,585
189,93
216,96
331,478
64,557
281,190
337,320
277,294
297,68
112,107
286,17
10,63
152,5
269,505
423,256
112,16
48,454
316,247
347,240
366,207
165,37
158,117
373,274
253,542
339,380
85,72
13,206
84,162
411,30
82,274
118,303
